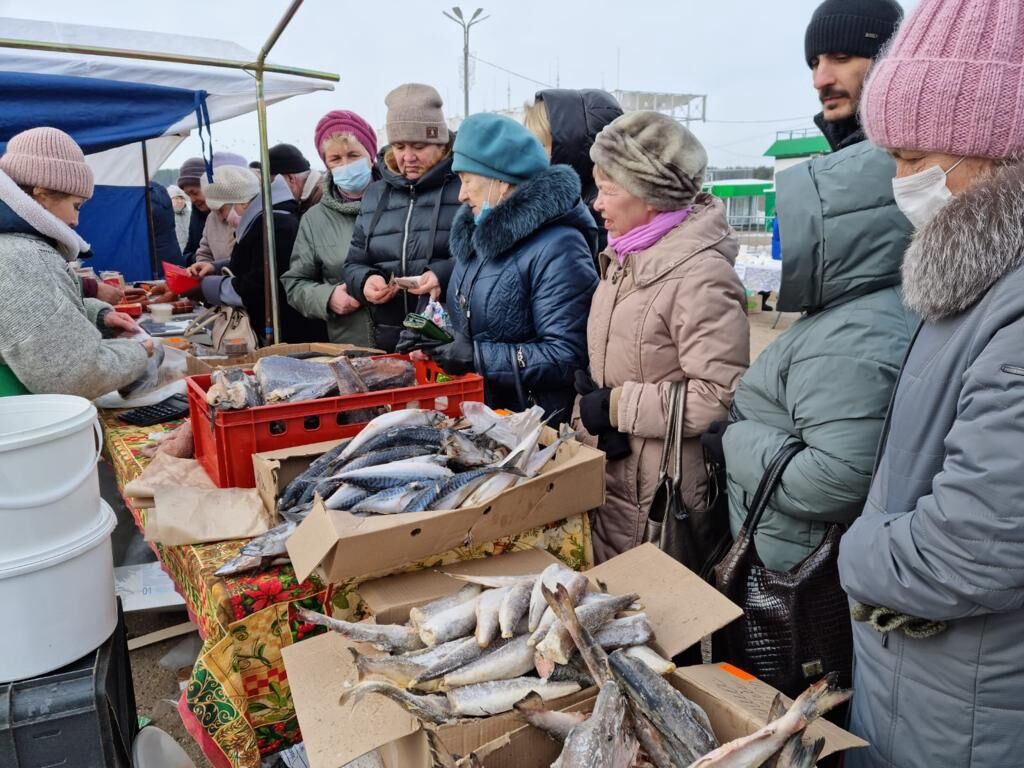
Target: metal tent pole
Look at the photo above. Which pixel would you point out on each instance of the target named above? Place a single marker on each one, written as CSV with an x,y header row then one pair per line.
x,y
150,224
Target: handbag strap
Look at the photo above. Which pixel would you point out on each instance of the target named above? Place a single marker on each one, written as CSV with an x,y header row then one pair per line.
x,y
769,483
670,432
680,391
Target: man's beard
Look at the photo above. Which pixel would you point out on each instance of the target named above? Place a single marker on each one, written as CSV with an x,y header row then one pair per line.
x,y
835,114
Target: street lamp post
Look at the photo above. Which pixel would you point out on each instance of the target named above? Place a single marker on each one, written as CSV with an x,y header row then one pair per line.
x,y
459,19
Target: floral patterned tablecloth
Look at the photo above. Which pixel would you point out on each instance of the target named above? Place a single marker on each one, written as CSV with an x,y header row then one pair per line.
x,y
238,704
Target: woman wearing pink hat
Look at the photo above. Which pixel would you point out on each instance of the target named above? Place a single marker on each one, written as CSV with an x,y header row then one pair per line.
x,y
315,284
52,341
935,565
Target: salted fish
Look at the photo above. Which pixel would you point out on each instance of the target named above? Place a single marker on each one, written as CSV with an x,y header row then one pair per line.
x,y
555,723
421,613
497,696
512,659
392,638
405,417
605,739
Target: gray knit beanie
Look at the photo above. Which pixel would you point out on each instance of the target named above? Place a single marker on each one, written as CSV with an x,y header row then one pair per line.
x,y
231,184
415,115
191,171
48,158
653,157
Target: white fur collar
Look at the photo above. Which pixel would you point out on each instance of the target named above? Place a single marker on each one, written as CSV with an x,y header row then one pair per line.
x,y
68,242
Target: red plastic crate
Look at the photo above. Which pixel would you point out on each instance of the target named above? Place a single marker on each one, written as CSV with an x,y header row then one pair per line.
x,y
225,446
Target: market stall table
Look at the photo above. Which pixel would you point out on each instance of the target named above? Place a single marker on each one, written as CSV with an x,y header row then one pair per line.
x,y
238,703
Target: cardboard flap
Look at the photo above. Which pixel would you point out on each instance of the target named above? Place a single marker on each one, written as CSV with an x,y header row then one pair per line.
x,y
273,470
681,606
311,542
741,703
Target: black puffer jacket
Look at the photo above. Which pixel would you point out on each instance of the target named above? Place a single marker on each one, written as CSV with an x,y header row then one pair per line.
x,y
402,230
195,233
576,117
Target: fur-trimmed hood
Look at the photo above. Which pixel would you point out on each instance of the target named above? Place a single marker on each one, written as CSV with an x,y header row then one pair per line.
x,y
974,240
552,196
20,214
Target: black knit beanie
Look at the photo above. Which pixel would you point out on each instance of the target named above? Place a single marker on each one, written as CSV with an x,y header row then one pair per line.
x,y
853,27
286,158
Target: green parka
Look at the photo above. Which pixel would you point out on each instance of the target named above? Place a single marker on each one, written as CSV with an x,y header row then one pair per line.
x,y
828,379
318,258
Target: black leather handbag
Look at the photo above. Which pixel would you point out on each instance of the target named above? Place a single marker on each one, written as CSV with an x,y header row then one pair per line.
x,y
796,624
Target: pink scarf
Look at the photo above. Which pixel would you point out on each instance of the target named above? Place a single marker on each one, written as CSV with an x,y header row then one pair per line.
x,y
643,237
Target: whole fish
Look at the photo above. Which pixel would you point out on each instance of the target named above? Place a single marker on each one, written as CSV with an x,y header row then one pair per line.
x,y
408,417
395,474
684,725
348,381
465,651
555,723
605,739
457,488
487,608
399,670
557,645
392,638
457,621
497,696
491,582
514,605
346,497
540,459
755,749
421,613
513,659
518,459
388,455
392,501
260,551
460,446
407,435
657,663
427,657
430,708
291,493
550,577
628,631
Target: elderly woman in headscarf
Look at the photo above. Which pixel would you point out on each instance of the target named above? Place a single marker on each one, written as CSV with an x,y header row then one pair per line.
x,y
669,308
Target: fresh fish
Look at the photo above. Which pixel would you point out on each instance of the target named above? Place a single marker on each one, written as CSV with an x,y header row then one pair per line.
x,y
487,608
556,573
457,621
427,657
513,659
399,670
605,739
388,455
260,550
463,450
415,435
540,459
287,380
392,501
497,696
628,631
514,605
657,663
430,708
421,613
346,497
684,725
594,657
589,598
518,459
348,381
756,748
554,723
799,753
557,645
240,564
398,473
453,494
392,638
291,493
461,652
408,417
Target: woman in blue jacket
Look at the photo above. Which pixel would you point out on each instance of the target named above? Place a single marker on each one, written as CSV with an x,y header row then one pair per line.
x,y
523,245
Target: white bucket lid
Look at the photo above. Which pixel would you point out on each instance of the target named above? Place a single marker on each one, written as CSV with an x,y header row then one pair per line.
x,y
106,521
31,419
154,748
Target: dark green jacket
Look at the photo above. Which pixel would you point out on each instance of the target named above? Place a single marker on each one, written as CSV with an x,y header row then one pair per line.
x,y
828,379
318,259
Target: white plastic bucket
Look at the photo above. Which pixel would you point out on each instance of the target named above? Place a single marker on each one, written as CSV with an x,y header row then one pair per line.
x,y
58,605
49,488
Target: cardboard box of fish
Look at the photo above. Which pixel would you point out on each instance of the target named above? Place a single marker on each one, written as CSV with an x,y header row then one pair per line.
x,y
457,662
415,483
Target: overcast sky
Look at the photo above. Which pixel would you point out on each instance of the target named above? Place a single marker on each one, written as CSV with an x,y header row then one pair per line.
x,y
746,55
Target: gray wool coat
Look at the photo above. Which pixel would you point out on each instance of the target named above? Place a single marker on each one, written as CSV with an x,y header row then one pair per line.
x,y
942,533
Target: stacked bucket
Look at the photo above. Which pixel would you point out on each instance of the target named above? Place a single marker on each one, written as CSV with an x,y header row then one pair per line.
x,y
56,566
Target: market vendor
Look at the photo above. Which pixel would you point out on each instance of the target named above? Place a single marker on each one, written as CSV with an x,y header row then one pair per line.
x,y
524,275
52,340
234,196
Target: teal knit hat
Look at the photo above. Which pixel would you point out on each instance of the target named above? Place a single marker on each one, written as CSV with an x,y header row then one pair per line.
x,y
498,147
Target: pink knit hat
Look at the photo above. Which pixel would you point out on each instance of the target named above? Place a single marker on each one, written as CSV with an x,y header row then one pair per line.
x,y
952,81
343,121
47,158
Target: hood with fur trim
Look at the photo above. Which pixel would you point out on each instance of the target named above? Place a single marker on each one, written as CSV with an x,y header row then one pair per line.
x,y
20,214
973,241
552,196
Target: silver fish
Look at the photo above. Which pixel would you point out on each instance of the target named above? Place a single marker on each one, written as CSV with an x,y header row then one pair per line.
x,y
491,582
457,621
487,608
628,631
555,723
465,651
408,417
605,739
418,435
513,659
385,476
518,459
291,493
658,663
514,605
392,638
399,670
497,696
550,577
264,548
346,497
430,708
387,456
761,745
457,488
391,501
460,446
421,613
540,459
557,645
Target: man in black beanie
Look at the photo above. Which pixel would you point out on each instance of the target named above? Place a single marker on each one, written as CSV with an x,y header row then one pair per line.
x,y
287,161
842,40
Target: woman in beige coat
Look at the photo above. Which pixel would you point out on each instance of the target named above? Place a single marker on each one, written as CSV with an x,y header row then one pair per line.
x,y
669,308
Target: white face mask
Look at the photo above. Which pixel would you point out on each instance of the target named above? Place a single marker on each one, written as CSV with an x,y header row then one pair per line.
x,y
922,195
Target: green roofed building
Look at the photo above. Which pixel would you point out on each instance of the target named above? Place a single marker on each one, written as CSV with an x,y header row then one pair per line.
x,y
792,147
749,203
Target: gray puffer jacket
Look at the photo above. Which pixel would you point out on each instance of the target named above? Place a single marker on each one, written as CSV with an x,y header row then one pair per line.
x,y
827,380
942,534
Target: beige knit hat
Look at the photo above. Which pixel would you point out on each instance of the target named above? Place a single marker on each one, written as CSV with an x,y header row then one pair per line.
x,y
653,157
231,184
415,115
48,158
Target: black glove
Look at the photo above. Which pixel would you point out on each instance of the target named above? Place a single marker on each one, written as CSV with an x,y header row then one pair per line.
x,y
615,444
456,357
585,384
712,442
409,340
594,411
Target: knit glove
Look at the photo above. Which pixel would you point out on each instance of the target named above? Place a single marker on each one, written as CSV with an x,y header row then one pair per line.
x,y
595,404
886,620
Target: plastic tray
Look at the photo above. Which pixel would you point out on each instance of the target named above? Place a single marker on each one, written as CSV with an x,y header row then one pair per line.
x,y
225,445
81,716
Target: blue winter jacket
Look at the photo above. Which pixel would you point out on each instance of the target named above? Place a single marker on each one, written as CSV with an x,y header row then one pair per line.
x,y
521,289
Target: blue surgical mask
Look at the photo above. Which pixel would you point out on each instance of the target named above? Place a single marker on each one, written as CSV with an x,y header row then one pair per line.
x,y
486,207
353,178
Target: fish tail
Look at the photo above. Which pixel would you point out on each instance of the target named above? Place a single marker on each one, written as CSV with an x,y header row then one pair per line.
x,y
798,753
594,656
530,704
824,696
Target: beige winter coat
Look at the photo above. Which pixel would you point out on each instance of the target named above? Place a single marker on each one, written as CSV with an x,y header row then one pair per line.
x,y
674,311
